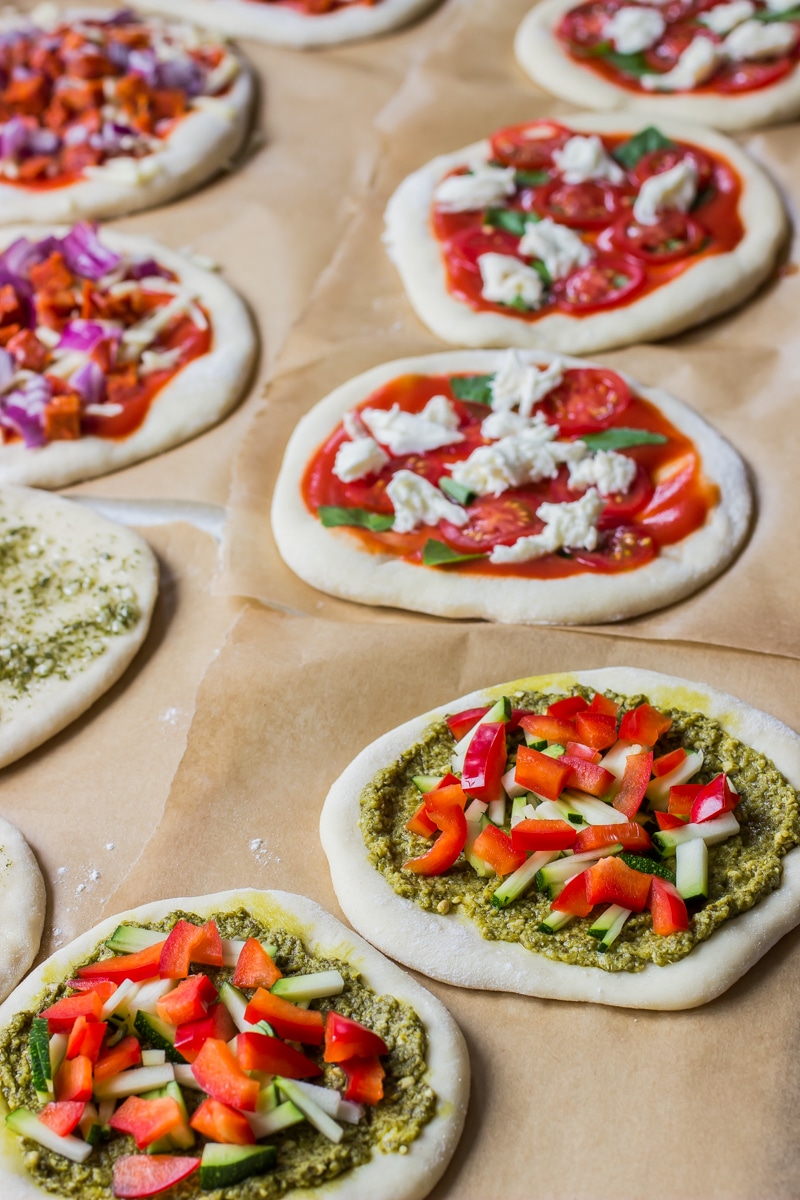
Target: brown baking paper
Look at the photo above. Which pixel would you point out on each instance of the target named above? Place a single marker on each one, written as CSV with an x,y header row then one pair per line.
x,y
569,1101
741,371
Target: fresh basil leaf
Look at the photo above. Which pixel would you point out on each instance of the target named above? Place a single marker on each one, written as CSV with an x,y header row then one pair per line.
x,y
519,304
531,178
331,515
644,142
456,491
543,272
476,389
618,439
635,65
510,219
437,554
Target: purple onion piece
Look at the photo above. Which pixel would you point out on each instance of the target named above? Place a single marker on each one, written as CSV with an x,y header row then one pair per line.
x,y
23,254
23,409
13,137
43,141
7,369
85,254
81,335
147,267
90,383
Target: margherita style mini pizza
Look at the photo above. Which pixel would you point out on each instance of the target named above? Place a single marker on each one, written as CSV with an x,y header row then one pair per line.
x,y
585,234
515,487
103,115
728,63
617,836
112,348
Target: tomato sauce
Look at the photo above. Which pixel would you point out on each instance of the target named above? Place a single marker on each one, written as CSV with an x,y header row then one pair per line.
x,y
668,500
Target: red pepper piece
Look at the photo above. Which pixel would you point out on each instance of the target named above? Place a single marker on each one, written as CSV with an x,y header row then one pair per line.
x,y
138,967
567,708
220,1123
218,1024
497,849
189,943
638,768
86,1037
104,987
420,823
73,1079
127,1053
668,762
667,908
681,798
578,750
189,1001
586,776
345,1038
667,820
485,763
62,1116
260,1052
364,1080
612,881
254,967
629,834
219,1074
572,898
452,794
290,1022
62,1015
539,773
147,1120
596,730
551,729
714,799
602,704
148,1174
543,835
460,724
445,810
644,725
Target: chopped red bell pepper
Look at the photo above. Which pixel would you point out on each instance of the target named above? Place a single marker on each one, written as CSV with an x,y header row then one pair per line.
x,y
713,799
567,709
578,750
572,897
612,881
137,967
254,967
420,823
681,798
346,1038
105,988
444,809
148,1174
220,1123
497,849
668,820
629,834
219,1074
551,729
73,1080
668,762
62,1015
543,835
290,1022
485,763
271,1056
364,1079
644,725
86,1037
62,1116
147,1120
602,704
460,724
189,1038
596,730
539,773
189,943
629,798
586,776
189,1001
452,794
126,1053
667,908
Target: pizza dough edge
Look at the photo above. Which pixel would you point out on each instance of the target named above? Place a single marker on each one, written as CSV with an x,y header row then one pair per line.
x,y
22,906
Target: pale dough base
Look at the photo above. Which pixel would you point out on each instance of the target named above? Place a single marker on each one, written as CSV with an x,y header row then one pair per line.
x,y
22,907
453,950
711,286
388,1176
542,56
331,559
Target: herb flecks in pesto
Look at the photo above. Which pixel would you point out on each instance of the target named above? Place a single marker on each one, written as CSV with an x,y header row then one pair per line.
x,y
741,871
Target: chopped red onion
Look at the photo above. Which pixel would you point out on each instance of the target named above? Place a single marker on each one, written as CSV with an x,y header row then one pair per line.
x,y
85,254
90,383
7,369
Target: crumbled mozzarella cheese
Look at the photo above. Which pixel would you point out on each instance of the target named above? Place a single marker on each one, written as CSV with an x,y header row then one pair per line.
x,y
50,337
353,425
518,384
559,248
505,423
103,410
672,189
781,5
440,411
515,460
634,28
583,158
359,458
754,40
696,64
571,525
725,17
412,433
416,501
609,472
467,193
507,280
160,360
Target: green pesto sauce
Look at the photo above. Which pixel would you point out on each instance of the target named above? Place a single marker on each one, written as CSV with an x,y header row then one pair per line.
x,y
741,871
305,1157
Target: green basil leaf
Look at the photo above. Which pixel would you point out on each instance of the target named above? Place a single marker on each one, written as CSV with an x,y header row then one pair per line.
x,y
642,143
531,178
456,491
543,272
331,515
437,554
510,219
635,65
618,439
476,389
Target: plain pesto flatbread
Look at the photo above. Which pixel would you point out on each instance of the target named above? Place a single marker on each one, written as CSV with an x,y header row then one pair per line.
x,y
22,906
76,595
710,286
390,1176
330,558
451,948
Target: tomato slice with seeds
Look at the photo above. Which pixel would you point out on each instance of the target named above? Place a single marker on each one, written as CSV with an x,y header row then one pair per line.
x,y
675,235
585,25
619,507
666,52
619,549
750,76
659,161
601,284
589,205
529,147
586,400
463,250
494,521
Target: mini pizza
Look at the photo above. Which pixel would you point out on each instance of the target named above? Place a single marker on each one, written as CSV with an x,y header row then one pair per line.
x,y
617,836
112,348
585,234
727,63
103,115
76,595
513,486
22,907
244,1043
298,23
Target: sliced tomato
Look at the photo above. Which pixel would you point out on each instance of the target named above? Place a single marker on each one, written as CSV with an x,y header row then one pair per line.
x,y
585,24
589,205
620,549
750,76
529,147
621,506
603,283
675,235
493,521
659,161
586,400
668,49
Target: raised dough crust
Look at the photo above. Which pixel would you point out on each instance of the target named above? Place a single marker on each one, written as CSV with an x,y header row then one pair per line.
x,y
453,950
710,286
283,27
201,394
201,144
542,56
22,906
388,1176
52,703
330,559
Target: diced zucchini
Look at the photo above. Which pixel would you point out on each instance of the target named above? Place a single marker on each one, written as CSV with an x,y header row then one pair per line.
x,y
648,865
427,783
535,743
153,1058
23,1122
311,1110
316,986
614,760
58,1052
691,869
658,789
159,1034
236,1003
130,939
554,751
552,810
497,811
135,1081
565,868
268,1098
474,829
149,994
39,1051
569,810
327,1098
712,832
555,921
223,1165
105,1110
184,1076
121,1001
614,930
596,812
474,811
350,1112
501,711
265,1124
510,785
604,922
232,948
520,880
518,806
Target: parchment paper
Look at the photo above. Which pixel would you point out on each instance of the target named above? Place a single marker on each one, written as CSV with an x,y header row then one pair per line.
x,y
741,371
569,1101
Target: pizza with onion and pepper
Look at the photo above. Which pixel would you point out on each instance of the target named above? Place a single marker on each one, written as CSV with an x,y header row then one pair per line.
x,y
513,486
112,349
102,115
583,234
728,63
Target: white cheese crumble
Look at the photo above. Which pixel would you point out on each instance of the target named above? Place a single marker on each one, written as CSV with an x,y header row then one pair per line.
x,y
505,423
414,433
754,40
583,158
467,193
160,360
416,501
567,526
698,63
634,28
781,5
609,472
674,189
507,280
518,384
520,458
559,248
725,17
359,458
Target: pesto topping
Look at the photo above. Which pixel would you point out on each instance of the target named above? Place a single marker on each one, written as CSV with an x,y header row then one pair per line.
x,y
741,871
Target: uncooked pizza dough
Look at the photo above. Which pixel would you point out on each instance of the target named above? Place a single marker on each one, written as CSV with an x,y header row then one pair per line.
x,y
22,906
